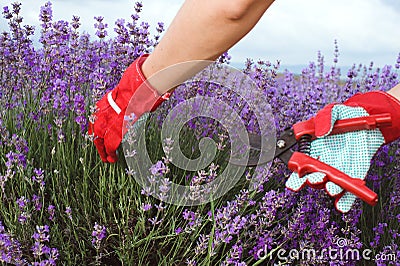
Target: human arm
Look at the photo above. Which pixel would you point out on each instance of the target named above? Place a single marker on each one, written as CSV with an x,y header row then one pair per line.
x,y
395,91
201,30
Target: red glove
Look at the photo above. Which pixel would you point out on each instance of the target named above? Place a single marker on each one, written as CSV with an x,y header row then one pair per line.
x,y
366,143
374,102
108,128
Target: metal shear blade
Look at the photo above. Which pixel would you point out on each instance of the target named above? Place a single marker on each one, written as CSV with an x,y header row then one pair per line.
x,y
283,148
258,154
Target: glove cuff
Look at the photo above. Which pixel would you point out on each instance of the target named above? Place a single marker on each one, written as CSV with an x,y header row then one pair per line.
x,y
324,118
134,89
378,102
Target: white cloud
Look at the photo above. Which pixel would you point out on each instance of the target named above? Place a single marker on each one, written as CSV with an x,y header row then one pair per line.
x,y
292,31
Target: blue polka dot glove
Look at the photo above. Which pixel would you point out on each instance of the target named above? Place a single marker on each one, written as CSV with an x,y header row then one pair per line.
x,y
349,152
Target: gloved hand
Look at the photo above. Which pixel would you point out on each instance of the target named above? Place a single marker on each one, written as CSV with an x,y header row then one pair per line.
x,y
110,116
350,152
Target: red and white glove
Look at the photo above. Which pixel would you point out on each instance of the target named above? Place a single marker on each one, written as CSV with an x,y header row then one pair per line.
x,y
349,152
108,128
374,102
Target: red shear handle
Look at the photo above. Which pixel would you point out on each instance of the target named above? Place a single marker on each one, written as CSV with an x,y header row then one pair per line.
x,y
304,164
345,125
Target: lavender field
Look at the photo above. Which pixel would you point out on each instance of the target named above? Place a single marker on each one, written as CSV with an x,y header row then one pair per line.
x,y
60,205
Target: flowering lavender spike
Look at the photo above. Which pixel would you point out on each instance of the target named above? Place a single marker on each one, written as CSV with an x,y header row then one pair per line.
x,y
98,234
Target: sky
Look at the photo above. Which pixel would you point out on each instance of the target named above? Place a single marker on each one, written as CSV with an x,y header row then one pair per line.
x,y
291,31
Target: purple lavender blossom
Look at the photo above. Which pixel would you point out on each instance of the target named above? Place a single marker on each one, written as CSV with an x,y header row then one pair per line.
x,y
70,71
22,203
101,27
146,207
37,202
51,211
68,212
40,251
10,249
159,169
98,234
39,177
42,234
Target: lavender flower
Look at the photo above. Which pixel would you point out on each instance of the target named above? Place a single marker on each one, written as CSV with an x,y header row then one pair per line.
x,y
39,177
159,169
10,249
193,220
46,255
178,230
155,221
101,27
42,234
22,203
146,207
48,92
51,211
68,212
37,202
98,234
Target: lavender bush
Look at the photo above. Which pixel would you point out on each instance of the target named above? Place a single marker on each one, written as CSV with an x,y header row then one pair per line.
x,y
61,205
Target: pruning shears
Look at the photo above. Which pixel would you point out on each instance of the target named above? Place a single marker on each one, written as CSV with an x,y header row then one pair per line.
x,y
293,149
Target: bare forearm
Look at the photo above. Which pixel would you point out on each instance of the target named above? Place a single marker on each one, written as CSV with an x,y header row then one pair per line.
x,y
395,91
202,30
